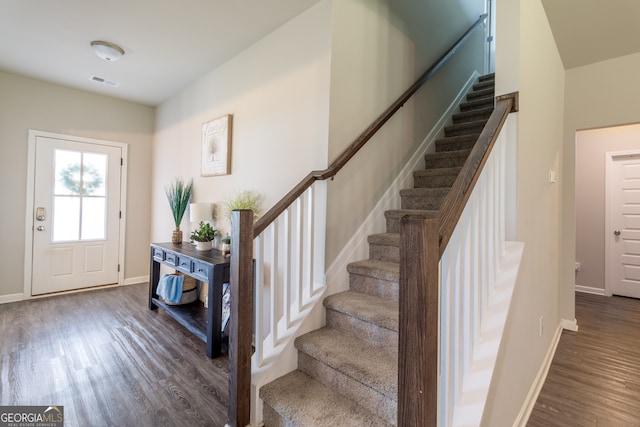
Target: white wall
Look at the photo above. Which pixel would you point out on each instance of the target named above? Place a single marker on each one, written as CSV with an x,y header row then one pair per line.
x,y
378,50
277,91
539,76
591,148
30,104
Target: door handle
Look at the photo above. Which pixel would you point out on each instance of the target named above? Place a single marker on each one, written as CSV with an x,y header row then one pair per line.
x,y
617,232
40,228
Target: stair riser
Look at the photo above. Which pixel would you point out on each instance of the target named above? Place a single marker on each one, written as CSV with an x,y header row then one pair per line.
x,y
454,144
421,202
433,181
464,129
484,93
384,253
432,162
471,116
376,287
484,84
477,104
364,330
374,401
392,225
272,419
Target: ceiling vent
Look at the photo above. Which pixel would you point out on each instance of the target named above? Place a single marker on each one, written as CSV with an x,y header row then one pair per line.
x,y
104,81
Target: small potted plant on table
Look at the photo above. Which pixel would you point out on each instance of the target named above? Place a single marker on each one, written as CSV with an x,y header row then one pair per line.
x,y
204,236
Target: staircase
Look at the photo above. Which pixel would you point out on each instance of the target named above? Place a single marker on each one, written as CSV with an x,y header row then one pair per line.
x,y
348,371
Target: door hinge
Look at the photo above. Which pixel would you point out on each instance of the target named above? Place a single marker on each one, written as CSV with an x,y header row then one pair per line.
x,y
121,161
120,215
118,268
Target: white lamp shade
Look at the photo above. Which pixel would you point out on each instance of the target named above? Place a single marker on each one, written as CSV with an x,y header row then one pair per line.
x,y
200,212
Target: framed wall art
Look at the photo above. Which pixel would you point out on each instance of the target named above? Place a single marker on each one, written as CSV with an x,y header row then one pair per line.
x,y
216,146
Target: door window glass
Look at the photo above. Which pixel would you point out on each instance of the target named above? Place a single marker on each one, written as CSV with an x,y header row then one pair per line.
x,y
79,208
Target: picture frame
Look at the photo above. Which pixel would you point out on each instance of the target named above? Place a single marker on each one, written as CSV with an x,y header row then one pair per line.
x,y
216,146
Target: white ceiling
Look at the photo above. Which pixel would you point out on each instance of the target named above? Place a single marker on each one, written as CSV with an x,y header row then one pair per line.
x,y
168,43
588,31
171,43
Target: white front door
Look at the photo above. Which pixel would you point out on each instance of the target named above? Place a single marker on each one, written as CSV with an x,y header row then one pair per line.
x,y
76,214
622,232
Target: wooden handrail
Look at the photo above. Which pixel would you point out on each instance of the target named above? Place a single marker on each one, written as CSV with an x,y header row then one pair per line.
x,y
368,133
456,199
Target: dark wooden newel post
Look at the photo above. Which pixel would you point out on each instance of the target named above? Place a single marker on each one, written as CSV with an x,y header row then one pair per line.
x,y
241,319
418,324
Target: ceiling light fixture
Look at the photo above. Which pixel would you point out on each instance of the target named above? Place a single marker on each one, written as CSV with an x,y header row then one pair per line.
x,y
107,51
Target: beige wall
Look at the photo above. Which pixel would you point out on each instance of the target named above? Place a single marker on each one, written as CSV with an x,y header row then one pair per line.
x,y
591,147
540,80
30,104
277,91
378,50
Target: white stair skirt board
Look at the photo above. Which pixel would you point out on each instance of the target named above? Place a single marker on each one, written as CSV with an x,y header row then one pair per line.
x,y
569,325
538,382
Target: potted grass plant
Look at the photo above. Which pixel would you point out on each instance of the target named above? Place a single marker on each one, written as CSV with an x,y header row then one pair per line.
x,y
178,193
246,199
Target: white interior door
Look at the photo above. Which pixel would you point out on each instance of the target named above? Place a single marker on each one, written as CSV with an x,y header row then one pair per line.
x,y
76,215
623,229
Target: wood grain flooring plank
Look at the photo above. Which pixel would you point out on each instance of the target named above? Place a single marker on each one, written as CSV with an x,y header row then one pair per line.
x,y
109,360
594,378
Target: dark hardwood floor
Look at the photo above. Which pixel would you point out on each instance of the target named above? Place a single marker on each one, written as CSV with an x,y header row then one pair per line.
x,y
594,379
109,361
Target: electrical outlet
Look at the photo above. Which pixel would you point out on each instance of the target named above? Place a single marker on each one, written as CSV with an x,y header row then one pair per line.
x,y
541,325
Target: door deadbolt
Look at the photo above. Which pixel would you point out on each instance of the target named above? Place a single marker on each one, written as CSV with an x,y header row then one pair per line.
x,y
617,232
40,215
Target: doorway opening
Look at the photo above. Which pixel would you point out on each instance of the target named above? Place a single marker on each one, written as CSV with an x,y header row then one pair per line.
x,y
595,149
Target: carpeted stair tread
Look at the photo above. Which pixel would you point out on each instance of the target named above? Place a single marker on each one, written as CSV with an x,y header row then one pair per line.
x,y
300,400
490,76
472,115
378,311
446,159
376,367
399,213
389,271
423,198
484,84
480,93
466,128
477,103
455,143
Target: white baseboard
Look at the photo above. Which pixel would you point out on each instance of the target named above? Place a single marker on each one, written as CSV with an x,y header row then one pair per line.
x,y
136,280
5,299
357,248
590,290
538,382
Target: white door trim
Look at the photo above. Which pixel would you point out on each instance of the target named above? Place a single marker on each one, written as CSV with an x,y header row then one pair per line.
x,y
610,157
28,229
